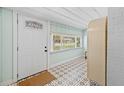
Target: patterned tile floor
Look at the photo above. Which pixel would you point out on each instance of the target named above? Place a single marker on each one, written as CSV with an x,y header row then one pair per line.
x,y
73,73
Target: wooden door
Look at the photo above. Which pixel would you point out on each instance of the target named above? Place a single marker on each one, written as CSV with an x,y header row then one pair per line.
x,y
97,50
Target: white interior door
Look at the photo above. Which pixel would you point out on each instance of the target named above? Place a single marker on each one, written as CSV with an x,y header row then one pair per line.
x,y
32,39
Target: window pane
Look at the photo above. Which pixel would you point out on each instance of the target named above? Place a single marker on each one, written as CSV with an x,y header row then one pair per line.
x,y
68,42
78,42
56,42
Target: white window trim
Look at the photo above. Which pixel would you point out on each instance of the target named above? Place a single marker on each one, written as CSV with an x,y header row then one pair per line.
x,y
62,34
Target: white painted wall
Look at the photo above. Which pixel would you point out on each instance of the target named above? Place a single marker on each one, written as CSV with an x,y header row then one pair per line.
x,y
115,47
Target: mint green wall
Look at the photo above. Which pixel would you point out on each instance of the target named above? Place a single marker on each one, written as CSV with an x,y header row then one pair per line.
x,y
67,54
6,44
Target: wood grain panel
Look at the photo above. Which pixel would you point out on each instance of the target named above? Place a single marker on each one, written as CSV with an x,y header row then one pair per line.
x,y
97,51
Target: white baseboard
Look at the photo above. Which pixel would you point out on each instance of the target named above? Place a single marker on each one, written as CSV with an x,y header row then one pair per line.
x,y
62,62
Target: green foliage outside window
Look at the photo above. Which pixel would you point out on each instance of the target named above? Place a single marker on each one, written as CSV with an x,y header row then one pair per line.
x,y
61,41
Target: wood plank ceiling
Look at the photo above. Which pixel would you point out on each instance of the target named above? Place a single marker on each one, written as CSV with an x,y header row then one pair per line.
x,y
74,16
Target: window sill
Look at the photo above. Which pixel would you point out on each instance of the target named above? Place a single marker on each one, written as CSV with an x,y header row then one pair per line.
x,y
63,50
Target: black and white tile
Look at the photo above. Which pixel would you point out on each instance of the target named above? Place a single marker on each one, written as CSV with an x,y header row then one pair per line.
x,y
73,73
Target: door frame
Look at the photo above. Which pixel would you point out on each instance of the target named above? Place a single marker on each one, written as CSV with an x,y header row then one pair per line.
x,y
15,44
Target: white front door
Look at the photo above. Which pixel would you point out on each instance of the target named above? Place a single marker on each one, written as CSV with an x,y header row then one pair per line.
x,y
32,43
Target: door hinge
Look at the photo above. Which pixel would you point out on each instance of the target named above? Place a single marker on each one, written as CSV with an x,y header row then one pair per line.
x,y
17,75
17,21
17,48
